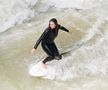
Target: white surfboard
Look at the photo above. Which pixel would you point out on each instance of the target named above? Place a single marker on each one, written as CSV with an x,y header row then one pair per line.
x,y
38,71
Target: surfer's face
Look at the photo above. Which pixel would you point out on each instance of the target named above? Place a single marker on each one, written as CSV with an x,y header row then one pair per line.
x,y
52,25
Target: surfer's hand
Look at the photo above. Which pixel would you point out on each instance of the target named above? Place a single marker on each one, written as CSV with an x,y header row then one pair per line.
x,y
33,51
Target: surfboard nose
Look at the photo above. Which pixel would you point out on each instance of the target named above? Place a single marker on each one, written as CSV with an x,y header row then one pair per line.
x,y
37,70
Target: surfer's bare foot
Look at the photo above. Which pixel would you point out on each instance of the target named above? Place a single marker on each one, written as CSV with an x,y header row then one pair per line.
x,y
44,66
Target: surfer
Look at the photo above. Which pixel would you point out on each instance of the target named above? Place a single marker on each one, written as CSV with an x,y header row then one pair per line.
x,y
47,41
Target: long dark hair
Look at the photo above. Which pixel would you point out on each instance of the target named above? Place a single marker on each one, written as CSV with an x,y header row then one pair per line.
x,y
54,20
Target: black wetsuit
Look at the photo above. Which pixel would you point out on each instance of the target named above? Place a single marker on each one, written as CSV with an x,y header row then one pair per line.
x,y
47,42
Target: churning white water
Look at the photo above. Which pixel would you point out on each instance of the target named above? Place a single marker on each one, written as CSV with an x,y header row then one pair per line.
x,y
84,68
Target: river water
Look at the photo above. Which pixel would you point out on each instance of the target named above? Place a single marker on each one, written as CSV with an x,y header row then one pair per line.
x,y
86,66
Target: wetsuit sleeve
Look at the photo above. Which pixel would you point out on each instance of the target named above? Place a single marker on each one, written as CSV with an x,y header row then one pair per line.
x,y
44,34
63,28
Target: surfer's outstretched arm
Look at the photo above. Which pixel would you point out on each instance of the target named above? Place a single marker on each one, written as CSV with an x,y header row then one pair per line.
x,y
44,34
63,28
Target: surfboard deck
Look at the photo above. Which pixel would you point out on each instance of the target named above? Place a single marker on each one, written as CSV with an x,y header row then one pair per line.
x,y
38,71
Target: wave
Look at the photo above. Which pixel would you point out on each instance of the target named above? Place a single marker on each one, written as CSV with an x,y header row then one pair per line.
x,y
88,56
15,12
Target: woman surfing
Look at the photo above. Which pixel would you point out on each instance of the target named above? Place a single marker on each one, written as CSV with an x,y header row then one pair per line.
x,y
47,41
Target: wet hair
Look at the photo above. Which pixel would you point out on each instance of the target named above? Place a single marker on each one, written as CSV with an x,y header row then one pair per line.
x,y
54,20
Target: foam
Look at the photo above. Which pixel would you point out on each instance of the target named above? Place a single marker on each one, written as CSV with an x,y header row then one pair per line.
x,y
19,11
